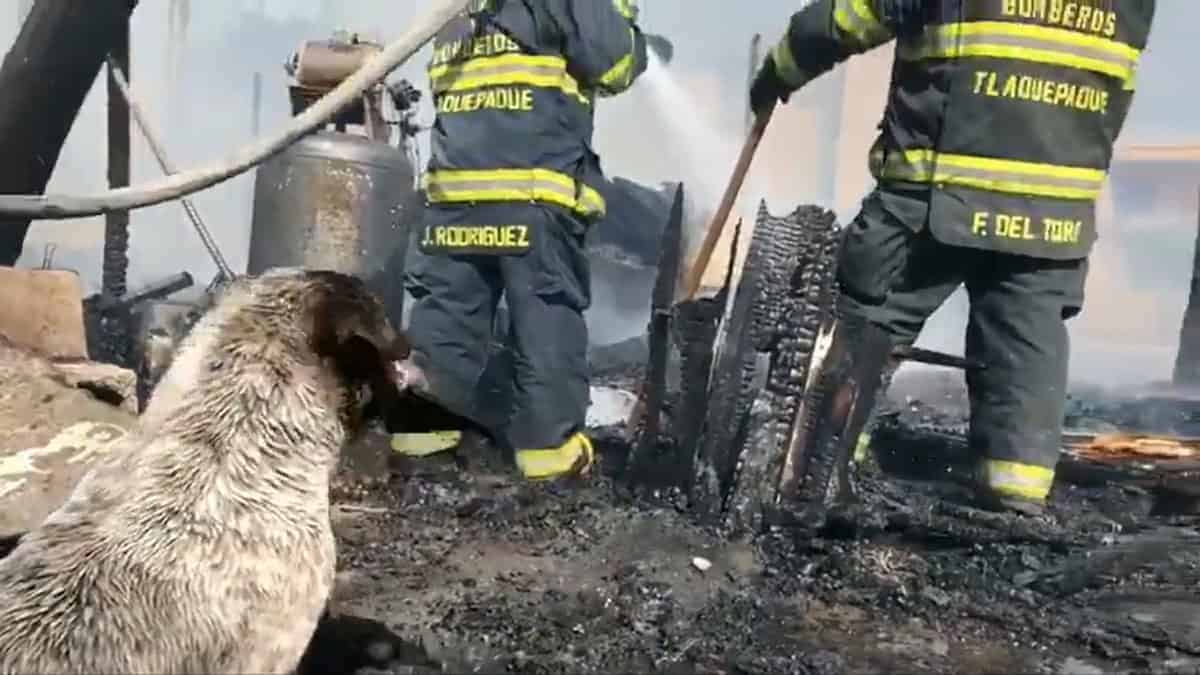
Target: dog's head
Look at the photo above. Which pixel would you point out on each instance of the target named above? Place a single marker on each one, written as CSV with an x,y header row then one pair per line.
x,y
349,331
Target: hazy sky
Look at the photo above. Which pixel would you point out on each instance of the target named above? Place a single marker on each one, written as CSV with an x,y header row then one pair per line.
x,y
649,135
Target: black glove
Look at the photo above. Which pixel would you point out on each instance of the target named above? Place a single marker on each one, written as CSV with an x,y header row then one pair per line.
x,y
767,88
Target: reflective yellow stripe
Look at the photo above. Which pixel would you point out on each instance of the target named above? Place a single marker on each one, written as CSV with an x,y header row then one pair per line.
x,y
620,76
506,69
574,457
514,185
1039,44
627,8
1023,481
987,173
786,67
857,19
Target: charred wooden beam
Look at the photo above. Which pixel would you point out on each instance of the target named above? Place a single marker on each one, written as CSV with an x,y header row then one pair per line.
x,y
654,388
796,301
784,292
695,332
730,389
114,275
45,77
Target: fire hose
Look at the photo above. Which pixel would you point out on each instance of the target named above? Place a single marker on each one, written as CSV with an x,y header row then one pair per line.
x,y
175,186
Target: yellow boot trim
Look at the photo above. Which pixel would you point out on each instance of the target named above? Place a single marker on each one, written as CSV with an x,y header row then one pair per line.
x,y
573,458
1014,480
861,447
425,444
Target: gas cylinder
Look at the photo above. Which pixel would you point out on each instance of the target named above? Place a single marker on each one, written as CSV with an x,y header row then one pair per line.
x,y
337,200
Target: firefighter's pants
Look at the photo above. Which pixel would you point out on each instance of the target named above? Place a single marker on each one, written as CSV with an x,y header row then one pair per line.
x,y
546,289
898,275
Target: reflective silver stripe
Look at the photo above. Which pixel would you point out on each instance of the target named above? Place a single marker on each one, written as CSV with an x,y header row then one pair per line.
x,y
1040,44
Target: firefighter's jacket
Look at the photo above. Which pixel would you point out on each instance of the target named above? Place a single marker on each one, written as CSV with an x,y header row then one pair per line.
x,y
1006,111
514,85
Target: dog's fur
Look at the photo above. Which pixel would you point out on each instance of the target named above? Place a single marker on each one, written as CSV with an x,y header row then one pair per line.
x,y
202,543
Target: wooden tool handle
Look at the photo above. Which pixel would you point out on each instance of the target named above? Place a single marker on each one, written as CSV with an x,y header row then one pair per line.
x,y
717,226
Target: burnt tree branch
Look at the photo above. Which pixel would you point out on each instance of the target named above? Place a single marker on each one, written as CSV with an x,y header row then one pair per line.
x,y
45,78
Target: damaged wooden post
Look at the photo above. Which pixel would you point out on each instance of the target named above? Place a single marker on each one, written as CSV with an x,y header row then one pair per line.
x,y
650,403
46,76
1187,360
114,327
772,447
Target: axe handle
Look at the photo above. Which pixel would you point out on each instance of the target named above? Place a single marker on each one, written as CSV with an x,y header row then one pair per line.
x,y
717,226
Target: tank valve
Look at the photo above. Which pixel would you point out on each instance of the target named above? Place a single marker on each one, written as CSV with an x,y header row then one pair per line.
x,y
404,95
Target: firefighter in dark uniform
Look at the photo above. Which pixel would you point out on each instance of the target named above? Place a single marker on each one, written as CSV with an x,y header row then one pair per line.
x,y
994,145
512,190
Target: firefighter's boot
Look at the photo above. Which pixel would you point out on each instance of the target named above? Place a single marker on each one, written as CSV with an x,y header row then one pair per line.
x,y
573,458
1013,487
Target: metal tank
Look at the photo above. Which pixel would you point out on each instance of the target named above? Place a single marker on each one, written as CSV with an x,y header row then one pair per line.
x,y
344,197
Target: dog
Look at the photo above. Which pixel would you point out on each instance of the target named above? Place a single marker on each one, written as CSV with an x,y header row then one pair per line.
x,y
202,542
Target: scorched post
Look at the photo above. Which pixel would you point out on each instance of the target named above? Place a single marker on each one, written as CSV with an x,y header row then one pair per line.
x,y
46,76
115,269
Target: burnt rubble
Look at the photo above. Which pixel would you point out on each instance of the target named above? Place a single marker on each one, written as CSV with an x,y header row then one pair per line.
x,y
456,565
464,568
683,565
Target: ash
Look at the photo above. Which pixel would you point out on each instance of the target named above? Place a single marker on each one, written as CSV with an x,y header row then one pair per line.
x,y
456,565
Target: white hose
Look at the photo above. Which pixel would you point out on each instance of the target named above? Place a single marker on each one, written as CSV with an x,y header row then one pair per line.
x,y
60,207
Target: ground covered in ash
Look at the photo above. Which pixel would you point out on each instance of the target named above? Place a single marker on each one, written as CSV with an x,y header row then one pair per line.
x,y
457,566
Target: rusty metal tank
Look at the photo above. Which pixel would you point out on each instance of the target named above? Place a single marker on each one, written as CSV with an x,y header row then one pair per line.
x,y
339,201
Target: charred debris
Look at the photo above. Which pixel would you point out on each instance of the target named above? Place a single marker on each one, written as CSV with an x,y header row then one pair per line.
x,y
711,542
717,440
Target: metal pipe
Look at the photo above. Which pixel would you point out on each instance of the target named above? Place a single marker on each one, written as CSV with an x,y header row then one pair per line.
x,y
933,358
156,291
164,163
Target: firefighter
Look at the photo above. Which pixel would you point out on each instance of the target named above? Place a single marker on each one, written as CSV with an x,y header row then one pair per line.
x,y
994,145
511,191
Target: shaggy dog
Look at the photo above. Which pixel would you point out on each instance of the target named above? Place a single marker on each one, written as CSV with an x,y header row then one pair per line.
x,y
202,543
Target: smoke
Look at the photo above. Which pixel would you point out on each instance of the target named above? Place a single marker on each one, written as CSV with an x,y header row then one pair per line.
x,y
685,123
192,69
